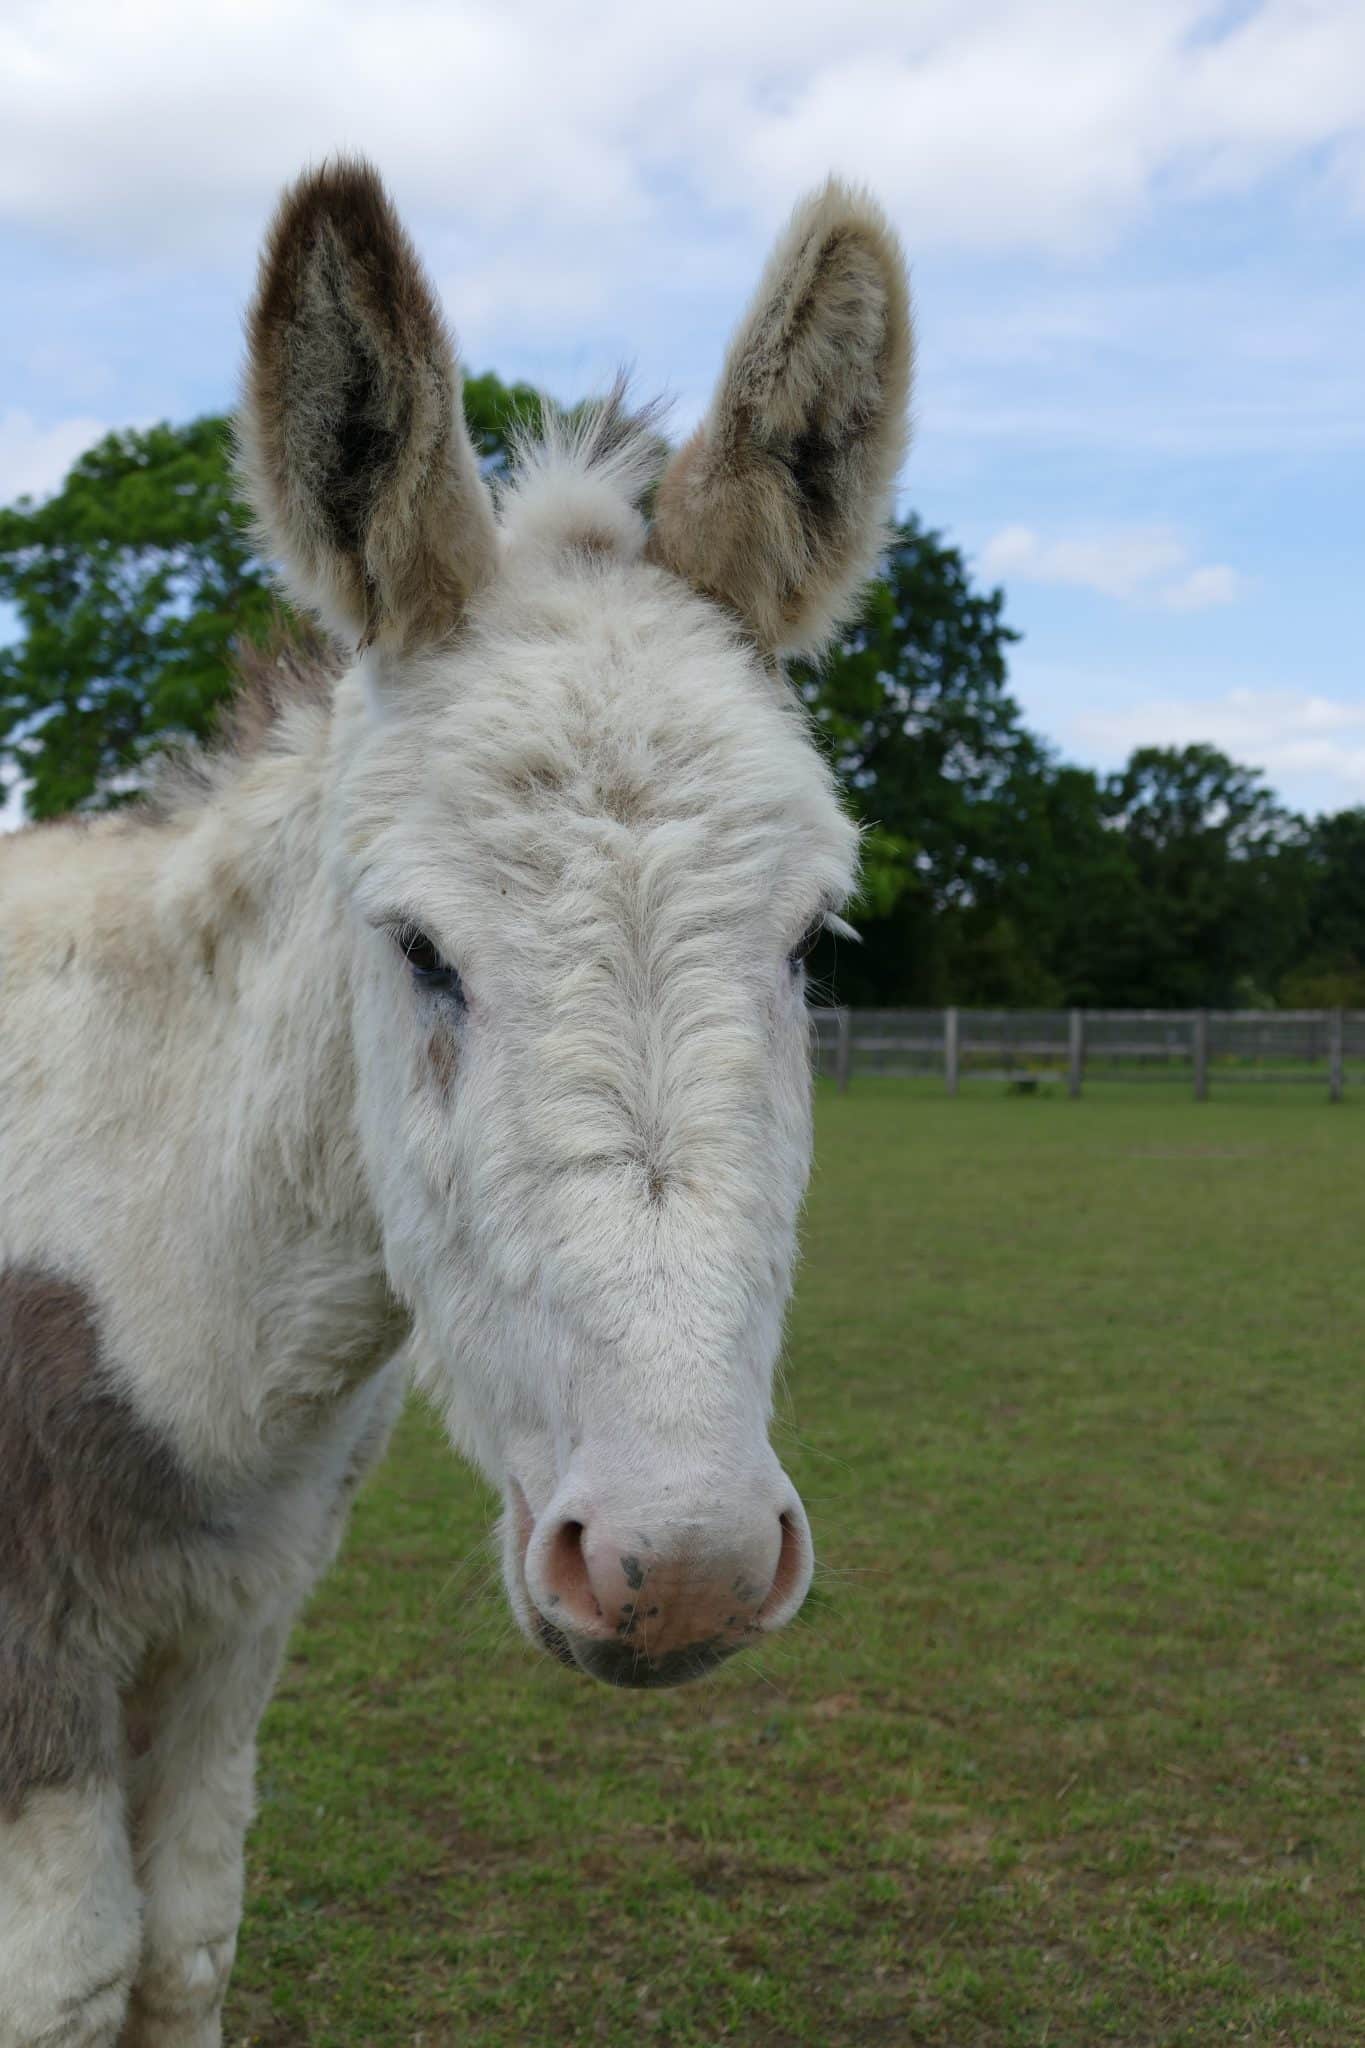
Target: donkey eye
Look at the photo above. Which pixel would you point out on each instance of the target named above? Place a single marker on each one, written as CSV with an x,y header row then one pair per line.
x,y
806,945
430,969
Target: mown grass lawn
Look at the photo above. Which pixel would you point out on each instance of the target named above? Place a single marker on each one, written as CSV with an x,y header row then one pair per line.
x,y
1067,1747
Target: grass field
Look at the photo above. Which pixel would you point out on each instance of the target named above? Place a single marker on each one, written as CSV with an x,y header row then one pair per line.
x,y
1067,1747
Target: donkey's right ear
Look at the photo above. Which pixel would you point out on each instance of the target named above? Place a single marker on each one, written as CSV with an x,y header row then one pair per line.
x,y
351,435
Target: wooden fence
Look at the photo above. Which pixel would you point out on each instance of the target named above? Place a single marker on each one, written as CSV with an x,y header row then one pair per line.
x,y
1031,1049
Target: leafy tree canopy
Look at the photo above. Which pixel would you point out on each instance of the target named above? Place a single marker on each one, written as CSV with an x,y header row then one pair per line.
x,y
1221,870
921,728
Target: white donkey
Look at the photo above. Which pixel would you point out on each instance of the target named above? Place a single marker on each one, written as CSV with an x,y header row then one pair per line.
x,y
457,1013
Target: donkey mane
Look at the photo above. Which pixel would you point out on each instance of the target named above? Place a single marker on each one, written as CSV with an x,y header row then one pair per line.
x,y
281,692
295,666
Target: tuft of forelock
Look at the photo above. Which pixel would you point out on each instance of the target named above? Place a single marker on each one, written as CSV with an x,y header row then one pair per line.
x,y
351,435
579,481
777,506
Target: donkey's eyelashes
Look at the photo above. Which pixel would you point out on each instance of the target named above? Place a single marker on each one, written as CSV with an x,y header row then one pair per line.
x,y
418,950
429,967
806,944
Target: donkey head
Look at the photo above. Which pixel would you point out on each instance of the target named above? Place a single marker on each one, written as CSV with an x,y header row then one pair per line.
x,y
585,839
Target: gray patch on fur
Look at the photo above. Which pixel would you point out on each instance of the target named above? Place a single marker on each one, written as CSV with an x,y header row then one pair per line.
x,y
58,1718
86,1491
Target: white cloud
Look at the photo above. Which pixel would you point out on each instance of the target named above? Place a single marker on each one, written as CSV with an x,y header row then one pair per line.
x,y
1311,747
34,459
1039,124
597,188
1214,584
1133,564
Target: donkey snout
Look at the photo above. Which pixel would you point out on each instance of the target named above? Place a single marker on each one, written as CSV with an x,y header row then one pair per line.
x,y
641,1606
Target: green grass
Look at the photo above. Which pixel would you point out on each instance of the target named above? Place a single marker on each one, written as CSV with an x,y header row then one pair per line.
x,y
1066,1749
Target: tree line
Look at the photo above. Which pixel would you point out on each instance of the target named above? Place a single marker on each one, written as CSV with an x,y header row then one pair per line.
x,y
995,872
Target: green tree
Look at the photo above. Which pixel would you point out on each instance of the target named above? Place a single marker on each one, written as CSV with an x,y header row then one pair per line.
x,y
1067,887
495,413
924,735
1330,969
131,584
1223,872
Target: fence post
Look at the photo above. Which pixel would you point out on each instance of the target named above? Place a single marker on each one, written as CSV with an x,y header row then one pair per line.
x,y
1336,1054
1201,1055
950,1049
843,1051
1075,1065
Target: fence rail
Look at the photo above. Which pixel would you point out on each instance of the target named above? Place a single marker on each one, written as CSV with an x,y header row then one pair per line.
x,y
1033,1048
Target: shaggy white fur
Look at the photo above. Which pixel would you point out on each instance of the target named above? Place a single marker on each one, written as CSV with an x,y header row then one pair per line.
x,y
565,1156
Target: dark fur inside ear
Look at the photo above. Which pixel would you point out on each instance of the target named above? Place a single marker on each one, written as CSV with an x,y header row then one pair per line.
x,y
777,505
351,435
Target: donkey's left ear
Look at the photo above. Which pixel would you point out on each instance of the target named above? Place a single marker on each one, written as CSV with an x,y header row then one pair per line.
x,y
777,505
351,436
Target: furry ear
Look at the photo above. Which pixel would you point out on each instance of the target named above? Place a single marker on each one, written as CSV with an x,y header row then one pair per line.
x,y
351,437
776,506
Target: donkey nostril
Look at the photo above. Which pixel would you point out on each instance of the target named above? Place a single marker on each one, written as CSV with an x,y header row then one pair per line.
x,y
791,1580
567,1578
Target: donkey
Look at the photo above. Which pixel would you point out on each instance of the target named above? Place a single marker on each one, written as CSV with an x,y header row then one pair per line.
x,y
451,1021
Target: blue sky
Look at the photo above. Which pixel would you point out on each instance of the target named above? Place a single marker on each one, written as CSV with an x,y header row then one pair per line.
x,y
1136,231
